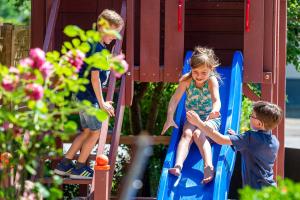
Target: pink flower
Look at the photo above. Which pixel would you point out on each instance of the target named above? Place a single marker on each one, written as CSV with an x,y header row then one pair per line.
x,y
34,91
121,63
27,62
75,59
46,69
38,56
9,83
14,70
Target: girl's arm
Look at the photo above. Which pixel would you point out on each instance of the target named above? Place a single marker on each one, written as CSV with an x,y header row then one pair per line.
x,y
213,87
173,105
96,83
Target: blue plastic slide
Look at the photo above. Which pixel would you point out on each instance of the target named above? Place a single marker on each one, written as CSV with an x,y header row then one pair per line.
x,y
188,185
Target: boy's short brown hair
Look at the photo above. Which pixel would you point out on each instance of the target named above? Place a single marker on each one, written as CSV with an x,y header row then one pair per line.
x,y
269,114
112,17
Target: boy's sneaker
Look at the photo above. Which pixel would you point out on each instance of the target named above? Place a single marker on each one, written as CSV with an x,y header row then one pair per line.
x,y
82,173
64,170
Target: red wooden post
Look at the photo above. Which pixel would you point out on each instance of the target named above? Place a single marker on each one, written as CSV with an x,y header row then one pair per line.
x,y
150,37
174,42
254,44
129,89
38,22
282,82
101,177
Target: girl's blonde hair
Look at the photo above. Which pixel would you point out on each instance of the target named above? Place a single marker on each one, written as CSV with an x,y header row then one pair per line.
x,y
202,57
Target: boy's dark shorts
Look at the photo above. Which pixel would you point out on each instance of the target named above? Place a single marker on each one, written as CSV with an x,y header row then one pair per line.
x,y
88,121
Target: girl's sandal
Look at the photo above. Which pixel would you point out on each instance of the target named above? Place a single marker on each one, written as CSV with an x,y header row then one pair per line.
x,y
209,174
176,170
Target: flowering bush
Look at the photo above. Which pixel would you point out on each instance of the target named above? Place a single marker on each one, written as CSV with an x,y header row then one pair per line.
x,y
35,104
286,190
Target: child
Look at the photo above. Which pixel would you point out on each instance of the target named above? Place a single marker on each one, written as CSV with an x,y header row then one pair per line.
x,y
91,126
258,147
202,89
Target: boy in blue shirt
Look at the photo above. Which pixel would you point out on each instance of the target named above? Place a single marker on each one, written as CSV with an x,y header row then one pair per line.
x,y
93,93
258,147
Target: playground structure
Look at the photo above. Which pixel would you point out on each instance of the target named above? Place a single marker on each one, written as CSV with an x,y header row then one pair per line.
x,y
157,34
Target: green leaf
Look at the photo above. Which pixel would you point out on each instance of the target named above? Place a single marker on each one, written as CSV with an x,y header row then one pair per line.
x,y
70,127
68,45
76,42
30,169
71,30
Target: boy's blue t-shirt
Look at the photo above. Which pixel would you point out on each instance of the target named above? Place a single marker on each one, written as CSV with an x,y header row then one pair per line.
x,y
89,93
258,151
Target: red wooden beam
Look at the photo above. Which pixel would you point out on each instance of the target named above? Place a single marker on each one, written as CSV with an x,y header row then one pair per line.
x,y
254,44
174,42
116,132
150,39
282,82
129,89
38,22
51,24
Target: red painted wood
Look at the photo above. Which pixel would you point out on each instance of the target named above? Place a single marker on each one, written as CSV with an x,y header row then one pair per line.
x,y
130,34
150,41
38,22
116,132
51,24
101,189
282,82
218,25
109,97
254,44
174,43
207,5
269,38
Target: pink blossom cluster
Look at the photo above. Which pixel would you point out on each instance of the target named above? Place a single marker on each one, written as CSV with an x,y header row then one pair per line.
x,y
36,60
10,82
75,58
34,91
120,59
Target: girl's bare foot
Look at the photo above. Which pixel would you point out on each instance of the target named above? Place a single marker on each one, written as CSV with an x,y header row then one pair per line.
x,y
209,174
176,170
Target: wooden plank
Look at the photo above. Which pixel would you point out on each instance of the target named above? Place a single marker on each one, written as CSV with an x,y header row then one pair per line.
x,y
130,34
149,42
254,43
6,42
174,41
214,23
214,5
51,24
38,22
282,83
116,132
220,40
79,6
269,37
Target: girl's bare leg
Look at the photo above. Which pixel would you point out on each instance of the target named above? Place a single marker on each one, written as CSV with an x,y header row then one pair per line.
x,y
183,148
205,150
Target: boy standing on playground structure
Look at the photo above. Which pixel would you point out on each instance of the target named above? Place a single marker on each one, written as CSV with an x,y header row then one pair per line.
x,y
93,93
258,146
202,89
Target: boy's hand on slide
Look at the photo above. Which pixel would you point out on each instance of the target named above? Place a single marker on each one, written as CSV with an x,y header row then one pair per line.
x,y
167,125
231,132
213,115
107,106
193,117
